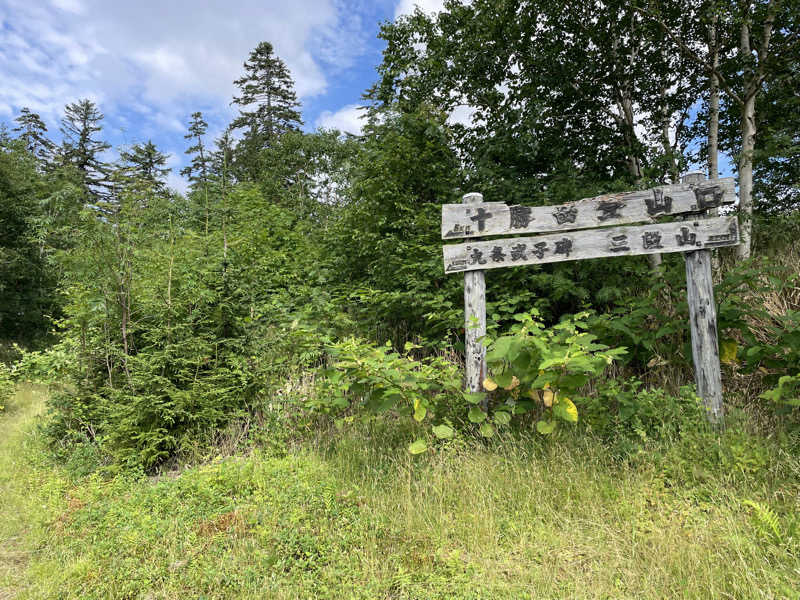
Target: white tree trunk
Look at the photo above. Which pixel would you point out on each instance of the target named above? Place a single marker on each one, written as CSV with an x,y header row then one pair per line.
x,y
744,250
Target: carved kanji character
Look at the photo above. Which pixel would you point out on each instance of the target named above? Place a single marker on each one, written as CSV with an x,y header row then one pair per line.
x,y
518,252
520,216
564,246
565,214
476,257
609,209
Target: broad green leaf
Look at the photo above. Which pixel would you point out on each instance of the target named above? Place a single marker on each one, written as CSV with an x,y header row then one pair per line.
x,y
443,432
476,415
474,397
487,429
545,427
522,407
420,412
501,417
418,447
504,380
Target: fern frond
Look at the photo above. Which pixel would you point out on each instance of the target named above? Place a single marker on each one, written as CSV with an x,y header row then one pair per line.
x,y
766,519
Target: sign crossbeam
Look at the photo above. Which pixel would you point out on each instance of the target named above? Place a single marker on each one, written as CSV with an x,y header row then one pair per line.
x,y
497,218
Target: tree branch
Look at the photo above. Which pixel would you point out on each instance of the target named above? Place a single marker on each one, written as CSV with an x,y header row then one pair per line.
x,y
692,55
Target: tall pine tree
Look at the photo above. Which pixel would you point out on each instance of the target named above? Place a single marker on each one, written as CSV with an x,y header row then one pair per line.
x,y
81,148
268,107
33,132
146,164
197,171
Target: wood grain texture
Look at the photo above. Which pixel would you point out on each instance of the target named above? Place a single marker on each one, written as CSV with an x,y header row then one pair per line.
x,y
474,320
662,238
703,325
470,220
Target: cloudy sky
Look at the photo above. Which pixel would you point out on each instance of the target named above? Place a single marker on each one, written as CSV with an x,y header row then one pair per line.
x,y
149,64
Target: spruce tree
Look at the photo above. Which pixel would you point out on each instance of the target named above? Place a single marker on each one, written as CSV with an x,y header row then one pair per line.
x,y
32,131
197,171
268,107
146,164
81,149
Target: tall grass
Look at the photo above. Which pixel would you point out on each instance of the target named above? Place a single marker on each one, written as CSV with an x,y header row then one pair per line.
x,y
354,516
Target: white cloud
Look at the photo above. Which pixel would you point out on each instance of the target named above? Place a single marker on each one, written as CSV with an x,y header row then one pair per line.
x,y
406,7
176,56
348,119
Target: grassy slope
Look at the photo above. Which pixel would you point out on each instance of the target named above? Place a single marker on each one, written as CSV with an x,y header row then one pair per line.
x,y
355,520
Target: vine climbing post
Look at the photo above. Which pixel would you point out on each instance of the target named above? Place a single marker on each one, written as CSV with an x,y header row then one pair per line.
x,y
703,324
475,311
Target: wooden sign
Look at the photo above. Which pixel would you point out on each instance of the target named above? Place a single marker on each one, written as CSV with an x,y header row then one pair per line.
x,y
662,238
597,216
497,218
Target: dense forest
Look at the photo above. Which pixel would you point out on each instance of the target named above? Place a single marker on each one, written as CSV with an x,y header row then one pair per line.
x,y
165,316
295,297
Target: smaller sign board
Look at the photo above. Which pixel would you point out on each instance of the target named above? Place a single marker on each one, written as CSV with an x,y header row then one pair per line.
x,y
681,236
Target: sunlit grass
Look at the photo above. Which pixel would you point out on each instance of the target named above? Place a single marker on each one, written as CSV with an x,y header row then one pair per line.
x,y
355,516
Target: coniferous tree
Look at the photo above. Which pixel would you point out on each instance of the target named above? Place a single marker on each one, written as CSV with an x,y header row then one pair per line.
x,y
268,106
197,171
145,163
81,149
222,156
32,131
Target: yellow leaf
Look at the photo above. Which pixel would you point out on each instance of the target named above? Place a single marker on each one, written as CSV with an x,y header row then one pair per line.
x,y
514,383
489,385
535,395
570,409
727,351
547,398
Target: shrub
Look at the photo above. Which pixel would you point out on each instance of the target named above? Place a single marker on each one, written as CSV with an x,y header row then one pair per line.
x,y
630,416
539,369
7,385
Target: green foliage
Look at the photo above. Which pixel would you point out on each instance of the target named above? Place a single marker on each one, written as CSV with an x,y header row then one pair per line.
x,y
631,417
27,280
538,368
7,385
367,378
786,394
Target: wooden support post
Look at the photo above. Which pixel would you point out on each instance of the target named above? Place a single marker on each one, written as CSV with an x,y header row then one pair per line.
x,y
703,325
474,320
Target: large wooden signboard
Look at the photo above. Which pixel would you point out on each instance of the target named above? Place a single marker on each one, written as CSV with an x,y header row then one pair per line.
x,y
597,228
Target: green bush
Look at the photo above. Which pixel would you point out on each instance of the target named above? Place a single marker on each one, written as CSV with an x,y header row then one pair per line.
x,y
371,379
539,369
630,416
7,385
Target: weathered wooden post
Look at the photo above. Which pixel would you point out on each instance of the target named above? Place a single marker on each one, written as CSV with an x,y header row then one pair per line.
x,y
703,324
475,311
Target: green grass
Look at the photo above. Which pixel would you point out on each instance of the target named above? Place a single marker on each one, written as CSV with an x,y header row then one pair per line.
x,y
353,516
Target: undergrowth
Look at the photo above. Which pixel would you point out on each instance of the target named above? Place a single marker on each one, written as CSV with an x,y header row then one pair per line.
x,y
349,513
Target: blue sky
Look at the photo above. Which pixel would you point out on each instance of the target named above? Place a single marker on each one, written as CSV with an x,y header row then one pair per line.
x,y
149,64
